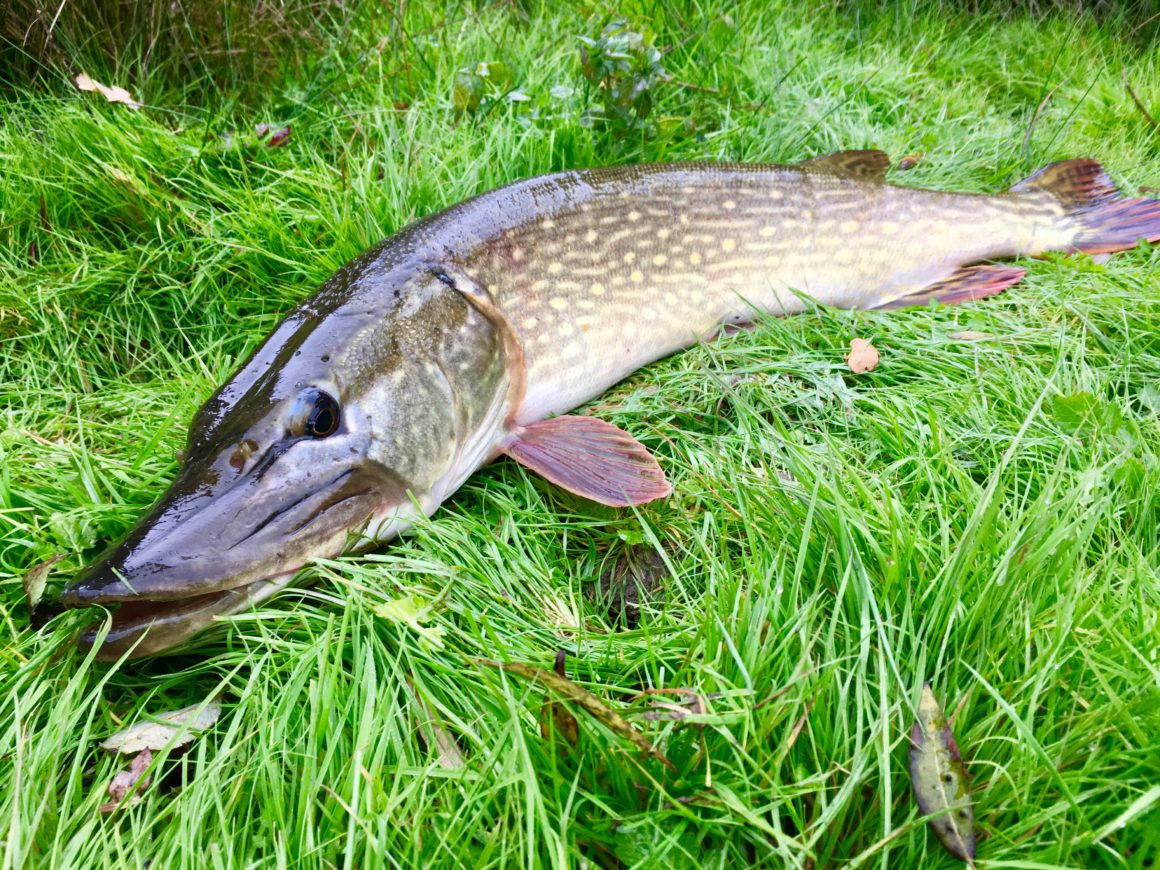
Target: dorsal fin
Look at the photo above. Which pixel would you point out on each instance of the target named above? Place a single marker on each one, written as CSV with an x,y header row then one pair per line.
x,y
1077,184
870,164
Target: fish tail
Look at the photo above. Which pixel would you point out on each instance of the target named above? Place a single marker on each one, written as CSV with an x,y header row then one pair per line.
x,y
1106,221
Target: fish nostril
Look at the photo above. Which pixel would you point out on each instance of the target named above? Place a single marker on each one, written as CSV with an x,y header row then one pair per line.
x,y
244,451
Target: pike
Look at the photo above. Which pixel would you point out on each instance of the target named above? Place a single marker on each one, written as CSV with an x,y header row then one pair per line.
x,y
472,333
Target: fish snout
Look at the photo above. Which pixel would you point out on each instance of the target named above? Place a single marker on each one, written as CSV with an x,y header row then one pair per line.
x,y
199,543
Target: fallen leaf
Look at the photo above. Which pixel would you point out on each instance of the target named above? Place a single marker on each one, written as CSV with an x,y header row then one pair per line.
x,y
608,717
939,779
910,161
113,95
172,729
556,718
969,335
131,780
412,611
689,708
450,756
280,138
34,580
863,356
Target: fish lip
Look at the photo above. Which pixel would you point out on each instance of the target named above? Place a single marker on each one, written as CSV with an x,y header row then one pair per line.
x,y
179,567
146,627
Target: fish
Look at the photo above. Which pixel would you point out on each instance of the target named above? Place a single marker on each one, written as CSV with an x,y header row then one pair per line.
x,y
472,333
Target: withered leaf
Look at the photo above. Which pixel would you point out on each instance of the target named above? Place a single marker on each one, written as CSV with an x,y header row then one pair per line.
x,y
863,356
34,580
939,779
113,95
607,716
280,138
433,733
969,335
910,161
184,725
131,780
556,718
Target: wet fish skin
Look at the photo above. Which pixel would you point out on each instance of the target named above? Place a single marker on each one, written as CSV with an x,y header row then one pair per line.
x,y
451,341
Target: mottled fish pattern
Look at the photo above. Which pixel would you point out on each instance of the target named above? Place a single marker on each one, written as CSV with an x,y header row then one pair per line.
x,y
464,335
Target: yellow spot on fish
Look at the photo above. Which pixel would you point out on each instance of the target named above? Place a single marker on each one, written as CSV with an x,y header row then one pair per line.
x,y
629,257
530,323
634,215
559,303
555,268
660,259
849,226
517,254
590,236
670,299
844,256
664,233
728,245
888,228
729,204
547,223
566,329
637,276
694,258
775,194
597,289
768,231
684,219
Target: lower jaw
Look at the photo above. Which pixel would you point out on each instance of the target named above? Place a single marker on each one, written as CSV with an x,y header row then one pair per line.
x,y
146,628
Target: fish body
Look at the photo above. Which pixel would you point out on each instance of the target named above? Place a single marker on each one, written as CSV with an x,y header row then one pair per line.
x,y
459,338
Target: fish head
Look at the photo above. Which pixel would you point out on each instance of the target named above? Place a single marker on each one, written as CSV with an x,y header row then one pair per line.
x,y
341,425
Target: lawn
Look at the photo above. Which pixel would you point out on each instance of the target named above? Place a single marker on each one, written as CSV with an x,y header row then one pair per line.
x,y
979,512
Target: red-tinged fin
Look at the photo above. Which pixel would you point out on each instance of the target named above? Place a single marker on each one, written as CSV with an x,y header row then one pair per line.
x,y
1107,221
966,285
591,458
869,164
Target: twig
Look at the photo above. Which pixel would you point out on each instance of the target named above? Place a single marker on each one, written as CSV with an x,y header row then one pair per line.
x,y
1136,100
692,87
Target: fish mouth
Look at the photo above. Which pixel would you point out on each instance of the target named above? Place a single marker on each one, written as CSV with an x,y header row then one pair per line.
x,y
205,552
145,627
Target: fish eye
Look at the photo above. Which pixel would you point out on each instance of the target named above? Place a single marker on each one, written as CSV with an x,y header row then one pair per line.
x,y
315,414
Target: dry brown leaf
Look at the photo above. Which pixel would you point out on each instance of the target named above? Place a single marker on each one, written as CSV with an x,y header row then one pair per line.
x,y
279,139
863,356
969,335
131,780
434,734
173,729
910,161
113,95
940,780
34,580
608,717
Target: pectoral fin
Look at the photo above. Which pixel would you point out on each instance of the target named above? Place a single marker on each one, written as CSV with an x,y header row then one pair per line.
x,y
591,458
965,285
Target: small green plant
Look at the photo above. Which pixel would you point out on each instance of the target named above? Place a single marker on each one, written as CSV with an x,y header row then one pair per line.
x,y
625,66
481,85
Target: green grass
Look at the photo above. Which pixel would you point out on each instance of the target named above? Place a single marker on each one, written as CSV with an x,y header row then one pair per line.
x,y
982,515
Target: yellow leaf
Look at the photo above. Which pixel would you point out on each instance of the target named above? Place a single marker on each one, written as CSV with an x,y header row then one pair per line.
x,y
113,95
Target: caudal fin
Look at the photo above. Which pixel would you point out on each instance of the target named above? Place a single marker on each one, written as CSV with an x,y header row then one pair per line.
x,y
1107,221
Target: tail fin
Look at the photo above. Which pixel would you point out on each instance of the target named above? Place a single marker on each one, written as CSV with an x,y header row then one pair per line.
x,y
1107,221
